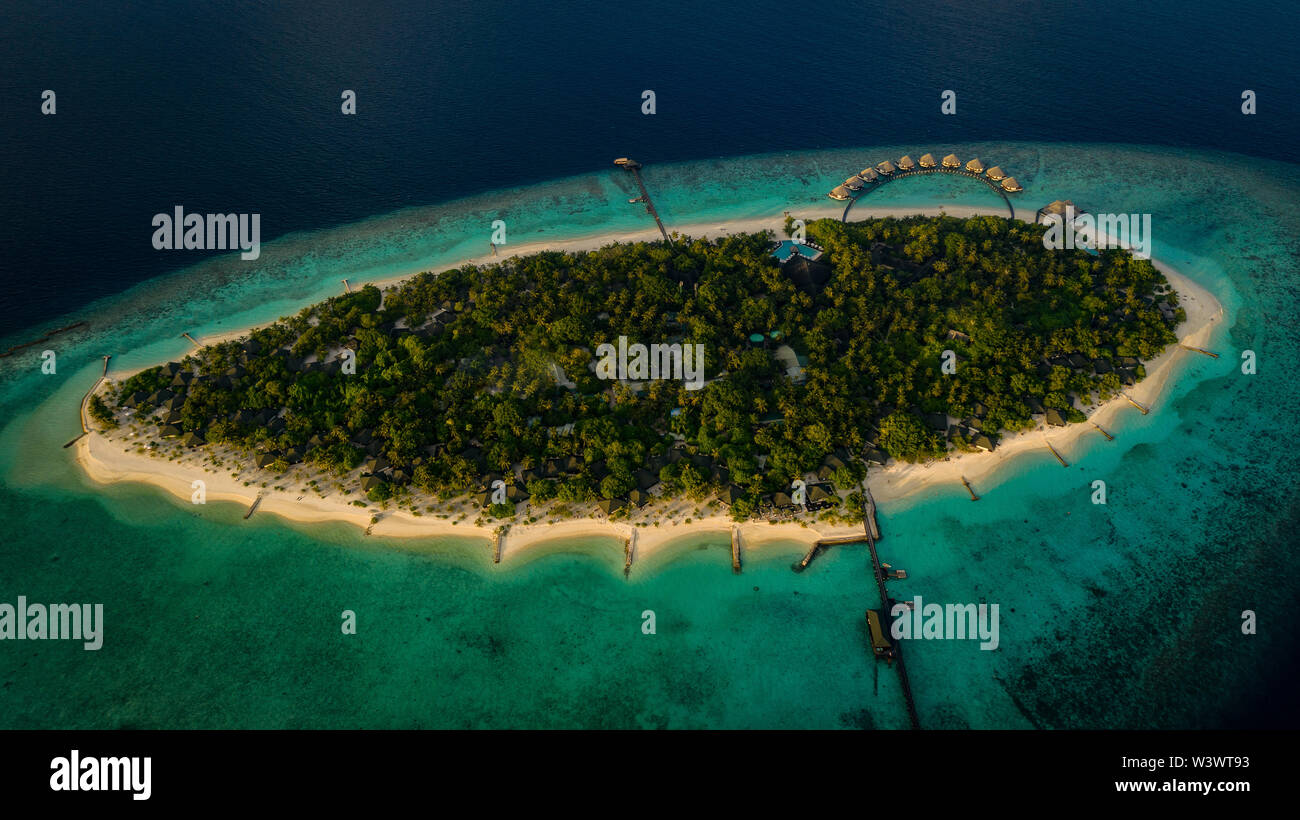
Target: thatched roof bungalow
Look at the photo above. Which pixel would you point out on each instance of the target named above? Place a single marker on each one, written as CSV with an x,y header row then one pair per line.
x,y
853,184
886,168
951,161
927,161
839,192
869,175
975,166
1058,208
609,505
1010,184
818,492
996,173
905,163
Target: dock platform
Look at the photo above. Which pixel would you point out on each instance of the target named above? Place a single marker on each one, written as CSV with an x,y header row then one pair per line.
x,y
634,168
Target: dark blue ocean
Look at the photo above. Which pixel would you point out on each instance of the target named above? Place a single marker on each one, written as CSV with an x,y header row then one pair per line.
x,y
235,107
1123,616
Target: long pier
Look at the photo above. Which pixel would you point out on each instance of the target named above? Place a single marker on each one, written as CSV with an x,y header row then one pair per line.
x,y
869,514
884,178
1200,350
191,338
85,400
970,489
872,528
252,508
735,549
496,547
634,168
629,549
871,532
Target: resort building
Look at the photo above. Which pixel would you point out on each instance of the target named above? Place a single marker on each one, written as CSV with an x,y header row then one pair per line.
x,y
807,274
1057,208
951,161
996,173
786,248
975,166
853,184
869,175
886,168
840,192
906,164
1010,184
927,161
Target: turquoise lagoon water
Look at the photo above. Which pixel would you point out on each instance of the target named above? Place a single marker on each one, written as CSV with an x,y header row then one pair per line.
x,y
1123,615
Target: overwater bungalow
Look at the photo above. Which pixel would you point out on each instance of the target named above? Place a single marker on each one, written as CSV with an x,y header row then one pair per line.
x,y
853,184
880,645
1010,184
1057,208
905,163
927,161
996,173
839,192
975,166
886,168
951,161
869,175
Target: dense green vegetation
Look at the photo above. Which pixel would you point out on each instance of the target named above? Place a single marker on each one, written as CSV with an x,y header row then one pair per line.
x,y
455,376
100,412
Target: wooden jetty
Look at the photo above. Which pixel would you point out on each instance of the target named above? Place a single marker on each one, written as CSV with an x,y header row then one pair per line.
x,y
346,287
890,572
1108,436
1135,404
628,553
735,549
884,179
191,338
1200,350
807,559
897,650
252,508
496,547
85,400
1058,455
634,167
869,519
970,489
870,529
14,349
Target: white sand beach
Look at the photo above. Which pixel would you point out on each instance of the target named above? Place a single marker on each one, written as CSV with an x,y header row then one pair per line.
x,y
109,458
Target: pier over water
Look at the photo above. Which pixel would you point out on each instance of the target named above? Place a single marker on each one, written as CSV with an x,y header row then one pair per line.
x,y
634,167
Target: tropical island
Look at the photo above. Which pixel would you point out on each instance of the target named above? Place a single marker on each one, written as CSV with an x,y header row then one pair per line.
x,y
823,358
